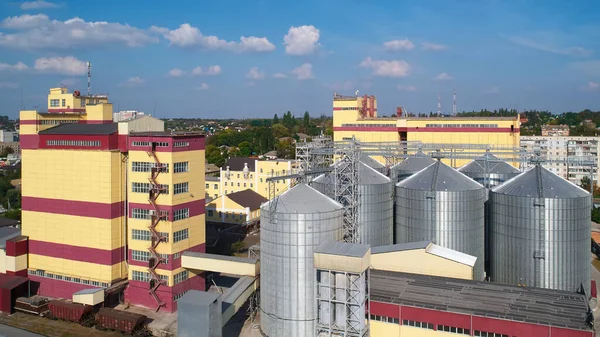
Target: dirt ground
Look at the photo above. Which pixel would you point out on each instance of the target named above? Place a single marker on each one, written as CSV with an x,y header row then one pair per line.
x,y
51,328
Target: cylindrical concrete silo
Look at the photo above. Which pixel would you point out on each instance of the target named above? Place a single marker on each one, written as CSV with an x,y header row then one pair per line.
x,y
302,220
540,228
410,166
445,206
376,204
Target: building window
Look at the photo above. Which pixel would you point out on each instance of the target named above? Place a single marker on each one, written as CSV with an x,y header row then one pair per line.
x,y
63,102
178,296
244,184
225,183
210,213
145,188
57,121
181,214
144,235
181,188
238,175
416,324
140,255
137,275
385,319
238,184
180,235
54,103
87,143
180,277
251,185
453,329
141,166
261,180
207,186
82,103
488,334
261,170
181,144
216,186
139,213
180,167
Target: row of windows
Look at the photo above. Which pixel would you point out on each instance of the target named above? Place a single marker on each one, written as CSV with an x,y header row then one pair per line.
x,y
430,326
144,214
181,144
371,125
215,186
137,275
180,235
54,103
57,121
180,277
181,167
384,319
73,142
417,324
178,296
453,329
238,184
145,166
181,214
461,125
487,334
43,273
145,235
233,215
181,188
145,188
158,144
144,256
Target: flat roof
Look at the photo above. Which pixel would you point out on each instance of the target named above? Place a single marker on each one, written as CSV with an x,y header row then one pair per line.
x,y
221,257
343,249
400,247
82,129
486,299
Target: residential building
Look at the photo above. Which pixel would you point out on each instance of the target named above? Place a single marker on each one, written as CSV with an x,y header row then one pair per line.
x,y
563,147
104,203
555,130
235,208
8,136
238,174
213,190
357,116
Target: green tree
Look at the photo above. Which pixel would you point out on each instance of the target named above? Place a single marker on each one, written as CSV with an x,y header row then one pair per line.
x,y
275,119
585,183
286,149
238,247
245,148
306,120
279,131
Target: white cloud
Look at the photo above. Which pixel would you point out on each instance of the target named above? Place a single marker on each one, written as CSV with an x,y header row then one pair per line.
x,y
443,77
394,68
133,82
39,32
303,72
548,47
406,87
38,4
491,90
255,74
279,75
188,36
203,86
302,40
67,65
19,66
176,72
399,45
210,71
8,85
433,46
591,86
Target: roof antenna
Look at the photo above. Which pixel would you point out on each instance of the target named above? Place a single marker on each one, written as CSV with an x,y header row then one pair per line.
x,y
89,78
439,105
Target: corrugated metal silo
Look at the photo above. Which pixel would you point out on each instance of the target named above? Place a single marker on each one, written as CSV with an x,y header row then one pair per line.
x,y
442,205
304,218
410,166
540,228
376,204
489,171
374,164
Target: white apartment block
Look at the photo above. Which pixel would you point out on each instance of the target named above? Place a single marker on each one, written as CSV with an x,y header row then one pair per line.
x,y
560,147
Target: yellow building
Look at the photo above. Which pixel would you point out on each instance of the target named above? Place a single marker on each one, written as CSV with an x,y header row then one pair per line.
x,y
239,174
106,202
235,208
213,189
357,116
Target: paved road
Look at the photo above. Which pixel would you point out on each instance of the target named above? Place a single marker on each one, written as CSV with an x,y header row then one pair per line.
x,y
8,331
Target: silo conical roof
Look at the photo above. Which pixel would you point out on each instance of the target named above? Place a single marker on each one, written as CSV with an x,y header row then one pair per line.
x,y
494,167
414,163
365,158
539,182
304,199
366,176
439,177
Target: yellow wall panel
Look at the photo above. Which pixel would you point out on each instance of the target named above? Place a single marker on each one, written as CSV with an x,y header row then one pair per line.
x,y
418,261
85,270
383,329
16,263
3,261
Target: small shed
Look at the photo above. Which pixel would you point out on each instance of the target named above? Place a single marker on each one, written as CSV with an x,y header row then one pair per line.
x,y
199,315
11,288
89,296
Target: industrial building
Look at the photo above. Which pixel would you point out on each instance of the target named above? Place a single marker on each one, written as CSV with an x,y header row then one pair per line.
x,y
558,147
110,205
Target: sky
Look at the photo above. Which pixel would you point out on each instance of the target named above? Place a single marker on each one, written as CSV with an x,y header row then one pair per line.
x,y
246,59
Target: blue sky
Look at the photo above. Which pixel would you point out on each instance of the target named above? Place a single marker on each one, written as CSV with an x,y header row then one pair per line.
x,y
248,58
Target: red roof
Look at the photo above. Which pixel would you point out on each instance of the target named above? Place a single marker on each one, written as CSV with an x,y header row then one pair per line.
x,y
11,281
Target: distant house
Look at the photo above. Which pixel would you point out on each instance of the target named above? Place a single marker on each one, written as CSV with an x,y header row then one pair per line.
x,y
271,155
555,130
235,208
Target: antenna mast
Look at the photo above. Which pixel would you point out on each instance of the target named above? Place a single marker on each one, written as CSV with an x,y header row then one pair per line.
x,y
454,102
89,76
439,104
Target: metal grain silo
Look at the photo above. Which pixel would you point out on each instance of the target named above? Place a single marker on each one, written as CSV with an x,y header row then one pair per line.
x,y
374,164
489,170
540,228
303,219
410,166
376,204
442,205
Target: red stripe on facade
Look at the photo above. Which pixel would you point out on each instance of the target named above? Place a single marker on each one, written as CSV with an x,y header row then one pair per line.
x,y
65,110
385,309
441,317
196,142
348,108
109,142
28,122
475,130
76,253
71,207
196,207
362,128
87,121
29,142
55,288
173,263
17,246
137,292
22,273
123,141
